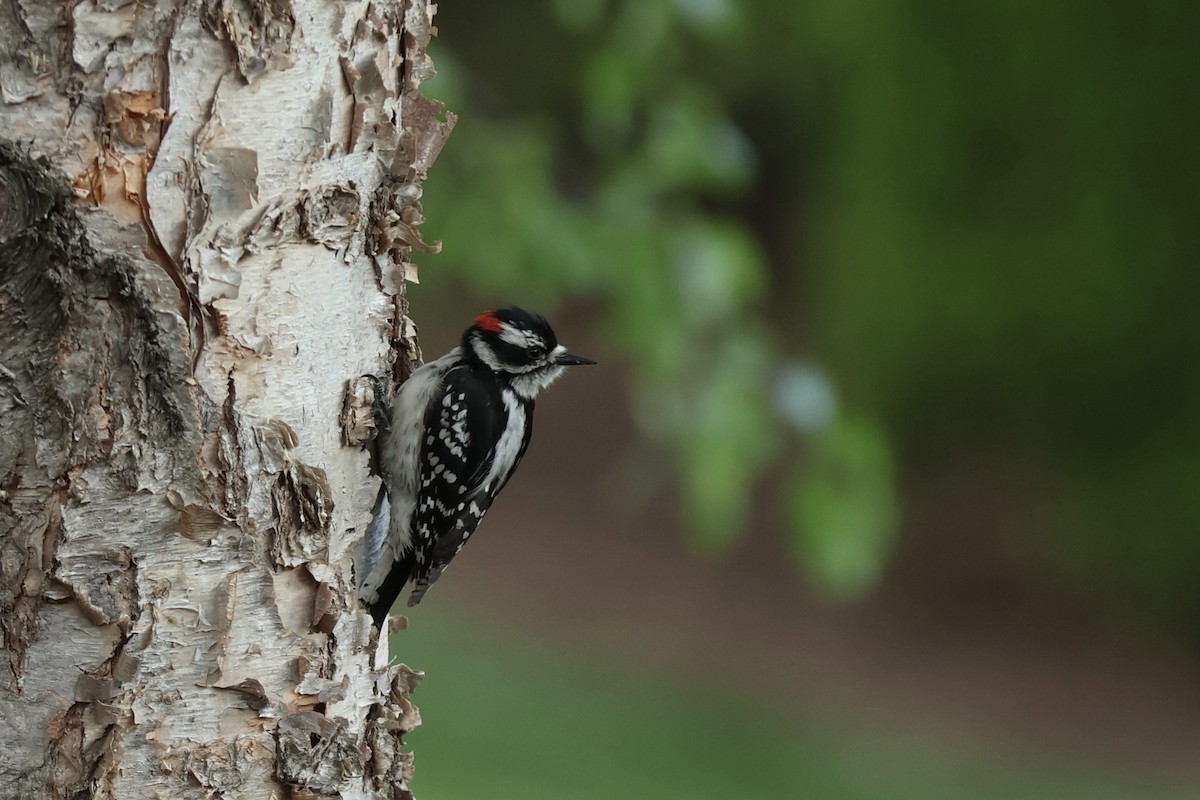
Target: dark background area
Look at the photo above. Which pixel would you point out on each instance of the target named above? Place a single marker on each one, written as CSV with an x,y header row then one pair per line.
x,y
886,486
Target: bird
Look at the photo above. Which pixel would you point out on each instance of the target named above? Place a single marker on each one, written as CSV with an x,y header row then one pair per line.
x,y
458,428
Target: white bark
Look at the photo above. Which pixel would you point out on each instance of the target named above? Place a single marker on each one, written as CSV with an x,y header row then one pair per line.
x,y
206,210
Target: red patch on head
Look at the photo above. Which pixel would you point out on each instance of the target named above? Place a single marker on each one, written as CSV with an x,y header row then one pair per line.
x,y
488,321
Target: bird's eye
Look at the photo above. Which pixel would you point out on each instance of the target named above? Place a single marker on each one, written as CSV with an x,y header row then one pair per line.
x,y
537,351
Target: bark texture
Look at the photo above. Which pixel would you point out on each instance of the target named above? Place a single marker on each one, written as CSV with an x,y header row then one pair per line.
x,y
206,213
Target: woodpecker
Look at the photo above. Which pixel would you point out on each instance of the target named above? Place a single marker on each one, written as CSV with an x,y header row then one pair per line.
x,y
459,427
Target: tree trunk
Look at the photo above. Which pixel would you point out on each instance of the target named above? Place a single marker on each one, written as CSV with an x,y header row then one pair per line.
x,y
206,210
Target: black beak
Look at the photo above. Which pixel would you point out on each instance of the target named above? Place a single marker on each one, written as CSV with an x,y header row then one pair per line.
x,y
569,360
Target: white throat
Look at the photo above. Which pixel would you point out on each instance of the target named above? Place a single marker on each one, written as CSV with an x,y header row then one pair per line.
x,y
528,384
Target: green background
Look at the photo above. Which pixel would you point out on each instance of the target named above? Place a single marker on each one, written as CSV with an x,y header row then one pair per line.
x,y
898,293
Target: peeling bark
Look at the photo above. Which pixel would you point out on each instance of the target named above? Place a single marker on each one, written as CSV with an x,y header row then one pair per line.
x,y
206,213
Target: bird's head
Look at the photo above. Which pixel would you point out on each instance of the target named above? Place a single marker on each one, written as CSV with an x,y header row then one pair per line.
x,y
520,345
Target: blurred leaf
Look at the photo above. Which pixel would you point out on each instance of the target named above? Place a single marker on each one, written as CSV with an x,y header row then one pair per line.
x,y
719,271
843,506
690,143
725,437
610,90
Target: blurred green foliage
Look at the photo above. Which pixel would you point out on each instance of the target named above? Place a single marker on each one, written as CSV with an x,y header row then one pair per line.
x,y
1005,254
980,218
505,719
615,199
843,507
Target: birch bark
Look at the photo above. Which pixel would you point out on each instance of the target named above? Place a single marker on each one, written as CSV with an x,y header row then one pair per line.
x,y
206,213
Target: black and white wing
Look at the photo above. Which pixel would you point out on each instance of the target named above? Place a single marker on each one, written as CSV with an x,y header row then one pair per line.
x,y
475,435
386,560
